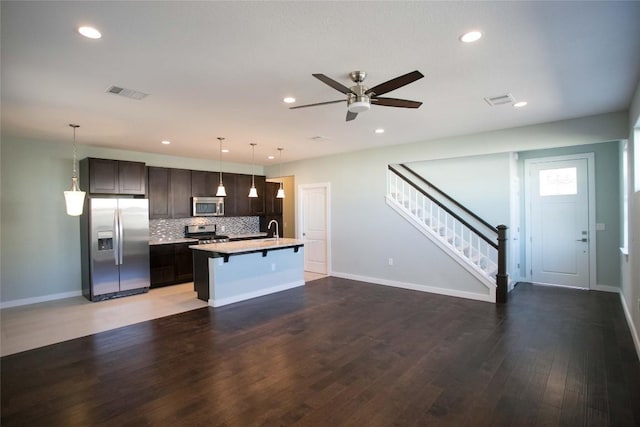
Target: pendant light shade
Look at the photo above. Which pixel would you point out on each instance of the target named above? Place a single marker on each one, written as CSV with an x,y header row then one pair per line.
x,y
74,198
221,191
252,191
280,193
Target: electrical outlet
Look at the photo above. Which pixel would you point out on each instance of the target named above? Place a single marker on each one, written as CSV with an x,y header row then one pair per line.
x,y
390,261
223,228
273,267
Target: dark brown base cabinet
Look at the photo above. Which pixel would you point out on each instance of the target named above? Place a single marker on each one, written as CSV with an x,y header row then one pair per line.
x,y
170,264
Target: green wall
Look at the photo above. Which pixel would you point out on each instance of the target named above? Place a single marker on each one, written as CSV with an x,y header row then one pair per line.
x,y
39,256
608,203
39,243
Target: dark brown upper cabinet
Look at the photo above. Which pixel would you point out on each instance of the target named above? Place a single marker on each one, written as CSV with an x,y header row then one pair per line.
x,y
105,176
238,202
273,205
241,195
258,204
169,193
180,193
204,183
158,193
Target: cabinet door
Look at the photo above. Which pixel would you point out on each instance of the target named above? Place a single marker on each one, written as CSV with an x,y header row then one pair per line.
x,y
162,265
131,177
229,180
183,262
273,205
159,181
204,184
103,176
257,205
241,194
180,193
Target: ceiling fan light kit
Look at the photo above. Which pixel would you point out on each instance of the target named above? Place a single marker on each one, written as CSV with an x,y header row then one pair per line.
x,y
358,104
360,98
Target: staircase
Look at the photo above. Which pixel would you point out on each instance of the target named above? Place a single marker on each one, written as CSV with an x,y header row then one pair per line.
x,y
477,246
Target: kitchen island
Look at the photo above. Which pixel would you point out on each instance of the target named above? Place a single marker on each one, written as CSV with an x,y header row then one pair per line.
x,y
224,273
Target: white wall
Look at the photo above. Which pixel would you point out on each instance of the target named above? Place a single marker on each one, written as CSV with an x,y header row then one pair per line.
x,y
39,243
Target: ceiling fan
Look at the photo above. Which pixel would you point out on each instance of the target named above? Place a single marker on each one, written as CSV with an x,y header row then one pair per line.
x,y
360,98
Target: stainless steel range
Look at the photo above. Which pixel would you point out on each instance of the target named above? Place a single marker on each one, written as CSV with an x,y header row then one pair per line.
x,y
204,233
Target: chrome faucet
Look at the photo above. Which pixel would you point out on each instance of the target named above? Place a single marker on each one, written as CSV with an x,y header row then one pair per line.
x,y
269,227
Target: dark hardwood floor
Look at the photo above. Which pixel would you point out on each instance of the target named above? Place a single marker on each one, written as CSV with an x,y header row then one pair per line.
x,y
343,353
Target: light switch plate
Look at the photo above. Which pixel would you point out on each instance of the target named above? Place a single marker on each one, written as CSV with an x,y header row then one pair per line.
x,y
599,226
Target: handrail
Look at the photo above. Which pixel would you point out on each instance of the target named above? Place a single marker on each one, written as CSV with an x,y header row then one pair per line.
x,y
446,209
464,208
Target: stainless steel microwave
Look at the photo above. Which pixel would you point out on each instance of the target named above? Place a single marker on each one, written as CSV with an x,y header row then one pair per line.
x,y
207,206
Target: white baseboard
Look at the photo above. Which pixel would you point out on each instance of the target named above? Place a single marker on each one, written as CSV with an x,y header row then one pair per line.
x,y
36,300
632,328
415,287
249,295
606,288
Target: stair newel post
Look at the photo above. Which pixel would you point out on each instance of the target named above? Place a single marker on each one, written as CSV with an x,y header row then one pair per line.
x,y
502,278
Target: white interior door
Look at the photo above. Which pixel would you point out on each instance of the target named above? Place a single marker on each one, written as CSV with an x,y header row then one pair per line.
x,y
314,226
559,220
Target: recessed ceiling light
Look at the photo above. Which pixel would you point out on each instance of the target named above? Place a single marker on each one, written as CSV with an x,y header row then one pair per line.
x,y
289,100
271,157
471,36
166,142
520,104
379,130
225,150
89,32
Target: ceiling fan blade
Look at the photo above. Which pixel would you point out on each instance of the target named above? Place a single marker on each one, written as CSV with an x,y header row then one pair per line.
x,y
334,84
396,83
316,104
395,102
351,116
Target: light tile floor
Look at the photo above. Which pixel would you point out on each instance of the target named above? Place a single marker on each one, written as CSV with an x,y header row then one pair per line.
x,y
27,327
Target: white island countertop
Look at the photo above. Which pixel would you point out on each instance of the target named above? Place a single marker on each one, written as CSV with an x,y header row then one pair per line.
x,y
244,246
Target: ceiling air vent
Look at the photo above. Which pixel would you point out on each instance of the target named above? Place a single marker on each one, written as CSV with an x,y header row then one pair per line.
x,y
127,93
500,100
319,138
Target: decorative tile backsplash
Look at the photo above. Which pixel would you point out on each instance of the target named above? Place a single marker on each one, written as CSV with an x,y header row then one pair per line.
x,y
174,228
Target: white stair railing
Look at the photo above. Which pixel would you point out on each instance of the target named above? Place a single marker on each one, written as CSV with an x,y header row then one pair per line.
x,y
441,224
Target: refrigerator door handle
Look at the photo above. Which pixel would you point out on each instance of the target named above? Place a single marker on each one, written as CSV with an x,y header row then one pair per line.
x,y
116,237
120,237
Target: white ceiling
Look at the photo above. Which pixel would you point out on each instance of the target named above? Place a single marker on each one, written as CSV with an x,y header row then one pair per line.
x,y
222,69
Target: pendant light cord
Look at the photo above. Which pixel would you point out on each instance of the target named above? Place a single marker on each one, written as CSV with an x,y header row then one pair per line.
x,y
220,159
280,149
75,157
253,157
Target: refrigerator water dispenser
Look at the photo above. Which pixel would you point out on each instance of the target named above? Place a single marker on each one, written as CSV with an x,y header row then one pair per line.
x,y
105,240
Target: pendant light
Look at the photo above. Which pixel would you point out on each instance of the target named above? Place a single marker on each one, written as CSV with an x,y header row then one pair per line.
x,y
74,198
252,191
221,191
280,193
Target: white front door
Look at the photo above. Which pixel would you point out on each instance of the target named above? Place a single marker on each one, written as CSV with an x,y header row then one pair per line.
x,y
559,218
314,226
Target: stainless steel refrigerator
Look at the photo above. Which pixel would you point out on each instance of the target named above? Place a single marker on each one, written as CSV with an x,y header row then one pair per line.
x,y
115,248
